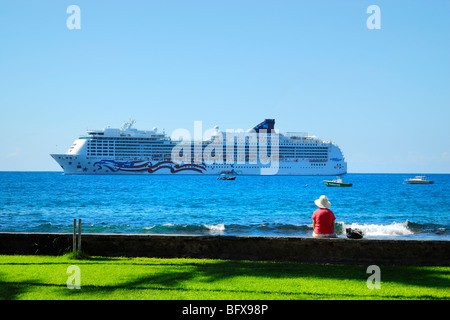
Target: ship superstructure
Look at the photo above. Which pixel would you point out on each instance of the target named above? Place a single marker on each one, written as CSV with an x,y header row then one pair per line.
x,y
259,151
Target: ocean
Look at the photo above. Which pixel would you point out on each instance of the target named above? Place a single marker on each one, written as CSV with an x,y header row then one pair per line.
x,y
381,205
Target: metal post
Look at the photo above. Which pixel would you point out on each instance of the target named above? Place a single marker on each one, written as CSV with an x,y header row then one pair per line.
x,y
74,235
79,235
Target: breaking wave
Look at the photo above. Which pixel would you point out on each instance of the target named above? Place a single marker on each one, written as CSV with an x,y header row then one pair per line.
x,y
393,230
187,229
375,230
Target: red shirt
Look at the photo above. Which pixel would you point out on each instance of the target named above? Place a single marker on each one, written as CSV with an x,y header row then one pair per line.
x,y
324,221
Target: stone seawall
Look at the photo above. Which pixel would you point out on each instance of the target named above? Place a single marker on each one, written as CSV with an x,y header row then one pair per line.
x,y
300,249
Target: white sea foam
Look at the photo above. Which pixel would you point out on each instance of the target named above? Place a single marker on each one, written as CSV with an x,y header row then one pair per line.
x,y
211,228
393,229
215,227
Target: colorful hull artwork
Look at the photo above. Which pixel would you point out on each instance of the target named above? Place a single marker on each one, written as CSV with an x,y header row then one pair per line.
x,y
147,166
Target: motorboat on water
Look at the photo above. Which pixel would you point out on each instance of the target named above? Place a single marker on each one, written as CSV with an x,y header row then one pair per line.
x,y
225,175
337,183
226,178
419,180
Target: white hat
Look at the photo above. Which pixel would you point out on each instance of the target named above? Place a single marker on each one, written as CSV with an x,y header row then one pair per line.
x,y
323,202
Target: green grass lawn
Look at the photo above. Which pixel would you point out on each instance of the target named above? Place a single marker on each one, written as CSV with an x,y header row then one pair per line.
x,y
45,277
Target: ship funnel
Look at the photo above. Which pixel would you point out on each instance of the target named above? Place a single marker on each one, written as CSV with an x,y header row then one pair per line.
x,y
267,124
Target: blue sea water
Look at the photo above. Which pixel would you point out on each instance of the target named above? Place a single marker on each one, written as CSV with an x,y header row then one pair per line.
x,y
381,205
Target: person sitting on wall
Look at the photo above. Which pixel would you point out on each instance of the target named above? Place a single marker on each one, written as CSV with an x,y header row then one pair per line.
x,y
323,219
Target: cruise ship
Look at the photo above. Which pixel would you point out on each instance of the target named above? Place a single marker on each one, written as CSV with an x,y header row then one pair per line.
x,y
259,151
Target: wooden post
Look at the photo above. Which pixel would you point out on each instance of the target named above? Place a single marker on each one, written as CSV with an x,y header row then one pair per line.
x,y
79,235
74,235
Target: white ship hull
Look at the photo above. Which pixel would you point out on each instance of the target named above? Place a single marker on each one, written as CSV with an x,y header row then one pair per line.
x,y
81,165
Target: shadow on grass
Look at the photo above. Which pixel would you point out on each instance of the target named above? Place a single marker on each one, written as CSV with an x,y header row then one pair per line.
x,y
179,276
12,290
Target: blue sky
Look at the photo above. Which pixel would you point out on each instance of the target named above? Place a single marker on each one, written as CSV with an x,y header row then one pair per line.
x,y
382,95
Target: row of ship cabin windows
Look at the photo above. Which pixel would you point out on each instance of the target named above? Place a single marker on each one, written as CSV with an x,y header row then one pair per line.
x,y
93,144
310,156
313,166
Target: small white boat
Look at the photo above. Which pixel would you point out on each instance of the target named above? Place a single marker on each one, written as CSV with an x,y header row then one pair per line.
x,y
419,180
